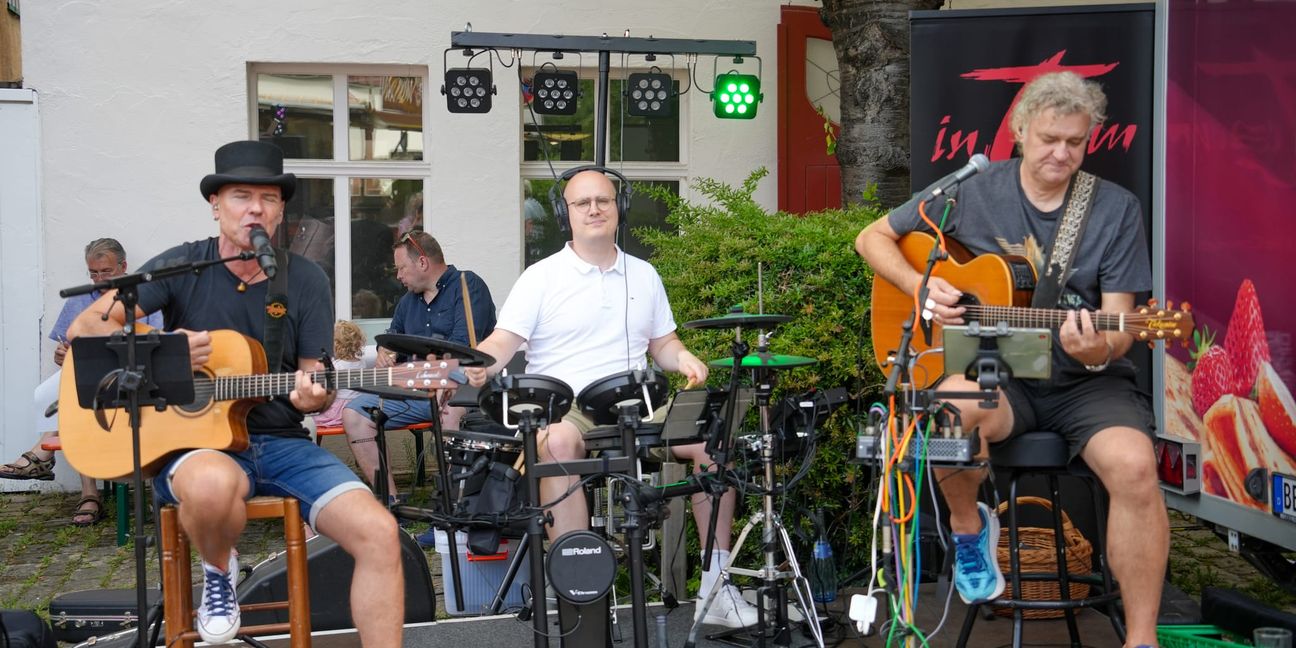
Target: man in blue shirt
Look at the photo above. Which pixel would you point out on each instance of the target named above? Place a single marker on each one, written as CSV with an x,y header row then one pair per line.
x,y
433,307
105,258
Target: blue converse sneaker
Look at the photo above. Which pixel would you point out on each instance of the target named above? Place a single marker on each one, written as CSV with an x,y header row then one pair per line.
x,y
976,565
218,616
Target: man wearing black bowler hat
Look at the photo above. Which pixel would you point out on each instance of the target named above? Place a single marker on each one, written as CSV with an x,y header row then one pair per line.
x,y
249,190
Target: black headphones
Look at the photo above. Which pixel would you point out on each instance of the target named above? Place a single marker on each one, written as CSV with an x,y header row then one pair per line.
x,y
559,203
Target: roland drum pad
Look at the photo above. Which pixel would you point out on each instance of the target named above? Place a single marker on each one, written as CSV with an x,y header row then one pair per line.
x,y
581,567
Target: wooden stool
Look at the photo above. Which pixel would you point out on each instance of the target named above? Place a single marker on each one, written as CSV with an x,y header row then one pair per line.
x,y
177,582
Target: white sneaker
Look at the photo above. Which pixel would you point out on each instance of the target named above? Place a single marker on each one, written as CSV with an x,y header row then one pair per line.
x,y
728,609
218,615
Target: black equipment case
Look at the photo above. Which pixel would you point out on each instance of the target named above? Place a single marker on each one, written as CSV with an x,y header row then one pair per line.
x,y
77,616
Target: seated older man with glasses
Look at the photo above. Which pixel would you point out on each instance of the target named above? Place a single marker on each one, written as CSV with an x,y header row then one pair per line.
x,y
104,258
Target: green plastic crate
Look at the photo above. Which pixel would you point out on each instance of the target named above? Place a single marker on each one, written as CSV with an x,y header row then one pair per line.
x,y
1198,636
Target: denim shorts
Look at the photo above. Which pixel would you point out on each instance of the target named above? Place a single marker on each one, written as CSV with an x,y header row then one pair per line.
x,y
400,413
282,467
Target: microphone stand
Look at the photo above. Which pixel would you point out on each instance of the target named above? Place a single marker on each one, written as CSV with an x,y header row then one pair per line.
x,y
135,377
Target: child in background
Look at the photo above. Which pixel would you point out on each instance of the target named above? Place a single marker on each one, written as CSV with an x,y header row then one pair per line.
x,y
348,348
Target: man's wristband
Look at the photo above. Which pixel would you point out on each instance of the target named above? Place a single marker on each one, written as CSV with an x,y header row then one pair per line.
x,y
1099,367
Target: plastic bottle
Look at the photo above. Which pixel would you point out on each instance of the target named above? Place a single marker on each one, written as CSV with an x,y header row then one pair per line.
x,y
823,572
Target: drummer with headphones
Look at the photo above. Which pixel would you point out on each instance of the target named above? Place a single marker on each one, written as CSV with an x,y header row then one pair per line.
x,y
588,311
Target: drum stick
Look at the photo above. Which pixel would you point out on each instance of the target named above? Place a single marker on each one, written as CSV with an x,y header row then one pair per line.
x,y
467,304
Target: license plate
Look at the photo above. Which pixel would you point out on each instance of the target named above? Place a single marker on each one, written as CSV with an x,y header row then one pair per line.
x,y
1284,496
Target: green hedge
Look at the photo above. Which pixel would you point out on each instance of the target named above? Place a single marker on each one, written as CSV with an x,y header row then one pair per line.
x,y
811,272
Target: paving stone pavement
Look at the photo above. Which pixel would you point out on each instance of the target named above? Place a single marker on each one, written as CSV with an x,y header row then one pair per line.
x,y
43,555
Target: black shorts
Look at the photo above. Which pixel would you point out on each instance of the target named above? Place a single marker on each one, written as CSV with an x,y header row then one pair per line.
x,y
1080,410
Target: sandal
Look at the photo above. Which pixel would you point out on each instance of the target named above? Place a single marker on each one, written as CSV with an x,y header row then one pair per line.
x,y
88,517
36,468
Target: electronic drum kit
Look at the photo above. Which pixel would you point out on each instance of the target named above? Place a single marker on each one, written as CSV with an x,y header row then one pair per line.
x,y
625,407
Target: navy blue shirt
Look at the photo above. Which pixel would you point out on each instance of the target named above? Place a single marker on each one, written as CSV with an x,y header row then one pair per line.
x,y
443,317
211,300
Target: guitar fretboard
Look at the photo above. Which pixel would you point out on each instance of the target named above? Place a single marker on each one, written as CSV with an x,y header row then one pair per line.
x,y
1049,318
262,385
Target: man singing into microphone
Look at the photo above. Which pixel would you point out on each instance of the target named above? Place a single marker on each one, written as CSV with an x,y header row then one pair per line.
x,y
1015,207
246,197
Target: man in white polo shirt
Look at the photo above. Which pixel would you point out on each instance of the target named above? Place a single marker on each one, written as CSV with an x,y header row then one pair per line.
x,y
587,312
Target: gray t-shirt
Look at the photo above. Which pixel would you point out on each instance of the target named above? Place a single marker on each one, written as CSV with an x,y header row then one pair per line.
x,y
992,215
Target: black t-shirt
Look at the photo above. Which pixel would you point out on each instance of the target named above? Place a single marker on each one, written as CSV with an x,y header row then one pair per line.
x,y
211,300
993,215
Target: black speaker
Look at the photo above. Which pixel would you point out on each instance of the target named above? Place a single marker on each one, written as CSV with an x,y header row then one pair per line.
x,y
559,203
330,585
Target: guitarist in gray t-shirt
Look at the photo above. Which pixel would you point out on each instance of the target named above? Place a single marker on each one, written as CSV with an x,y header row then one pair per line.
x,y
1014,209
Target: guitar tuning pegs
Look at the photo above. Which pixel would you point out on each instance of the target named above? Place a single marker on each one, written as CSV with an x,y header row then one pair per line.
x,y
1185,306
1169,304
1152,302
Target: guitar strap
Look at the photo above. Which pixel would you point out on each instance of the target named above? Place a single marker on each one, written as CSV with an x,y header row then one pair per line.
x,y
276,310
1066,241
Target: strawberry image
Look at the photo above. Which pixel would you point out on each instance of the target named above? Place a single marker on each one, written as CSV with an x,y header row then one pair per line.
x,y
1212,378
1245,342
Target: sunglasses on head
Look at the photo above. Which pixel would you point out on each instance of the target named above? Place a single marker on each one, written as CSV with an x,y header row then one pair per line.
x,y
408,237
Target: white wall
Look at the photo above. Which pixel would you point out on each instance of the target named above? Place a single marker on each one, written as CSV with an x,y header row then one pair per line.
x,y
137,95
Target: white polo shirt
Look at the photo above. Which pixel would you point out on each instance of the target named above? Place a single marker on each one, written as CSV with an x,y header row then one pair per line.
x,y
573,316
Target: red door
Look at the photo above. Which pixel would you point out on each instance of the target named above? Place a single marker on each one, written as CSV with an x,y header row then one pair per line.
x,y
808,177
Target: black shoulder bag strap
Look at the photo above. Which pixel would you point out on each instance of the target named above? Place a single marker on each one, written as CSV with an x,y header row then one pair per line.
x,y
276,310
1066,241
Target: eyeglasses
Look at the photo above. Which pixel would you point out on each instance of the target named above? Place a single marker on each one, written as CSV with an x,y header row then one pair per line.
x,y
408,237
583,204
104,274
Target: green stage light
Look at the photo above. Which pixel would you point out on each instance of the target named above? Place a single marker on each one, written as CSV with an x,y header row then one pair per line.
x,y
736,96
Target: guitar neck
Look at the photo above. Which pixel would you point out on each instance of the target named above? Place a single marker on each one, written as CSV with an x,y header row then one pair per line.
x,y
1050,318
264,385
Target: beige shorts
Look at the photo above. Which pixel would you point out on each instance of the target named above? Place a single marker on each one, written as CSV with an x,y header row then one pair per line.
x,y
584,425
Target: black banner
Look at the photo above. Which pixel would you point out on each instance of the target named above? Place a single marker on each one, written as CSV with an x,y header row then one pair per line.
x,y
968,68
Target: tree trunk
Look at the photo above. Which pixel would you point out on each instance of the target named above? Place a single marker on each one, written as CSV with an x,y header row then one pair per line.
x,y
871,38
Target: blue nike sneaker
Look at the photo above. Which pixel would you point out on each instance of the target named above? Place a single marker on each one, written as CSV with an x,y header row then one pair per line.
x,y
976,564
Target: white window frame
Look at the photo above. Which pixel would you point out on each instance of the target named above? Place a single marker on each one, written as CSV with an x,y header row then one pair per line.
x,y
341,169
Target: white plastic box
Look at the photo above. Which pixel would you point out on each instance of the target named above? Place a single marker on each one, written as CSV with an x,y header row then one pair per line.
x,y
481,576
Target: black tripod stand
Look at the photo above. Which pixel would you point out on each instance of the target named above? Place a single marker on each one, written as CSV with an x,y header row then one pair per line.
x,y
137,381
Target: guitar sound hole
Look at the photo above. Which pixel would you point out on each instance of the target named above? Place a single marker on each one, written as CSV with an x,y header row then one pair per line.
x,y
202,394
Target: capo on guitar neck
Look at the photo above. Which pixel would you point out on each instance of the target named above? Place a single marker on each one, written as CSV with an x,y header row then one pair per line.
x,y
330,372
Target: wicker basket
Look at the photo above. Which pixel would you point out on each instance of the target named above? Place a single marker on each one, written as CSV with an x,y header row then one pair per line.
x,y
1037,555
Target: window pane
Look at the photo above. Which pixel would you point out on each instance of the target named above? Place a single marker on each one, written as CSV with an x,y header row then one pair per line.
x,y
647,212
385,117
567,137
541,235
308,223
539,227
295,112
381,210
643,139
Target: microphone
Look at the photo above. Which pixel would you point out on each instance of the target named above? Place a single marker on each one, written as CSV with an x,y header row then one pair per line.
x,y
977,164
265,253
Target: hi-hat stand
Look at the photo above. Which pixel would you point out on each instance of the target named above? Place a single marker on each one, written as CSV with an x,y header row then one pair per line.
x,y
774,541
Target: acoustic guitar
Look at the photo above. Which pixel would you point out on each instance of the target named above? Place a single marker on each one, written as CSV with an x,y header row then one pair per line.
x,y
996,288
225,389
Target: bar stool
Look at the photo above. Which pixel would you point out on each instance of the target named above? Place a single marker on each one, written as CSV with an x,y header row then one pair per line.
x,y
177,582
1046,453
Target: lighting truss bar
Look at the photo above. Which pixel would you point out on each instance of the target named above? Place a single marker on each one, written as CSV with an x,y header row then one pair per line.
x,y
558,42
